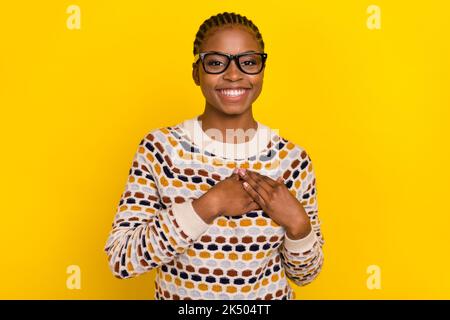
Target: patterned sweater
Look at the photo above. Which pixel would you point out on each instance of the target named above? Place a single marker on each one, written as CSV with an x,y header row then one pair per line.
x,y
234,257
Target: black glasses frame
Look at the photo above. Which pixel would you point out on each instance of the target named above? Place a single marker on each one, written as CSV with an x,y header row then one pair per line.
x,y
235,57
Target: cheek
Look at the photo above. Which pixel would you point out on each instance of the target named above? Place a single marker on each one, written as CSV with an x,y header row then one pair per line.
x,y
257,87
208,91
208,83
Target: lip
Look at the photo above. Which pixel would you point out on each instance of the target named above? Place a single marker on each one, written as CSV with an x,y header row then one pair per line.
x,y
231,99
231,88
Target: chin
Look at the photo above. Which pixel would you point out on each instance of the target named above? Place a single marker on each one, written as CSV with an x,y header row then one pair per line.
x,y
233,110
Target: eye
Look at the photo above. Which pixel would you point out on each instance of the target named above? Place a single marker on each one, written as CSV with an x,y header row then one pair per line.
x,y
250,60
214,63
249,63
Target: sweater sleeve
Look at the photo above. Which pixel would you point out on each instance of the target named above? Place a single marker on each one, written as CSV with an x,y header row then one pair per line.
x,y
146,233
303,258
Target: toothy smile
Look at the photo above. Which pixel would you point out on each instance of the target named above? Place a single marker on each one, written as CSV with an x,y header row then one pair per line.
x,y
233,92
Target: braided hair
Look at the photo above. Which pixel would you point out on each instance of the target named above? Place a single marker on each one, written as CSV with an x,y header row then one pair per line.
x,y
223,19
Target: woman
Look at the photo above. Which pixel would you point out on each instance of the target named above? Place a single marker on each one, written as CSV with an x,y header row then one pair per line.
x,y
220,217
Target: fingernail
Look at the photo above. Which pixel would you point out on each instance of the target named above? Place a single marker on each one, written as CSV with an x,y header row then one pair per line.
x,y
235,170
242,171
245,185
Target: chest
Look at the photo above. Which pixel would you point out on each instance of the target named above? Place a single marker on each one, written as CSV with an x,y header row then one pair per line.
x,y
247,235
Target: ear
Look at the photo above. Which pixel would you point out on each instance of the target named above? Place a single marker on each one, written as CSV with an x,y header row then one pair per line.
x,y
195,74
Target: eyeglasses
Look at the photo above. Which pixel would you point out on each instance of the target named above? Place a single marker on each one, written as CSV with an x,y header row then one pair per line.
x,y
215,62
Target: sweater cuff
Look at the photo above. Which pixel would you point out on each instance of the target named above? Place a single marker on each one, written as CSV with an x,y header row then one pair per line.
x,y
188,220
300,245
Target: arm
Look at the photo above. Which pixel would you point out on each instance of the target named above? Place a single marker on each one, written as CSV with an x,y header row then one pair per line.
x,y
303,258
145,233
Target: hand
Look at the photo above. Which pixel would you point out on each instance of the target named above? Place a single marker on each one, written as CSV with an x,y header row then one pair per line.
x,y
232,197
275,199
228,197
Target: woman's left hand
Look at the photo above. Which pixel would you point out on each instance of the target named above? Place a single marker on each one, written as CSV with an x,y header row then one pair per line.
x,y
275,199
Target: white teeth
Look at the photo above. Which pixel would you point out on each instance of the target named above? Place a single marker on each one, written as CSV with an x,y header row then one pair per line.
x,y
232,92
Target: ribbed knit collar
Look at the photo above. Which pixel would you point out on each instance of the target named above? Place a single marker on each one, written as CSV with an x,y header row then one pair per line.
x,y
236,151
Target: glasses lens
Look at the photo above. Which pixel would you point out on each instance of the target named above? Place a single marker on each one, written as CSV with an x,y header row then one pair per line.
x,y
251,63
215,63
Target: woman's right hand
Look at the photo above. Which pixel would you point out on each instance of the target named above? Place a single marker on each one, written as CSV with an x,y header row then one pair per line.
x,y
228,197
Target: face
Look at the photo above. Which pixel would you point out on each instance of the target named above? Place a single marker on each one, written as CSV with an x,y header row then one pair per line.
x,y
232,40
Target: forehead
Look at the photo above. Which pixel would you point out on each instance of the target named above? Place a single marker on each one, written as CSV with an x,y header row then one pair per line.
x,y
231,39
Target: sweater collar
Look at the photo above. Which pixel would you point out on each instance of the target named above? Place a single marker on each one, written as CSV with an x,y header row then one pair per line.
x,y
237,151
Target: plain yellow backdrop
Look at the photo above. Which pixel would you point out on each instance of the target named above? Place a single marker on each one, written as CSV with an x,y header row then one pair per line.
x,y
370,106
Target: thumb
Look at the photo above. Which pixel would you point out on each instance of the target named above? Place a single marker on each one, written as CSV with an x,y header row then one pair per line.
x,y
234,173
234,176
280,179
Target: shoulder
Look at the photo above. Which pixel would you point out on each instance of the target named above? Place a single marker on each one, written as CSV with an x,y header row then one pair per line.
x,y
295,163
288,149
161,138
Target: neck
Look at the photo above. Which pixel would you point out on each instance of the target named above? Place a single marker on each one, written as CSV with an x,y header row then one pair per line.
x,y
212,118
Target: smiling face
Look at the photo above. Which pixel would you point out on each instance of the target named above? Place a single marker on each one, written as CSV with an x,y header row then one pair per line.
x,y
243,89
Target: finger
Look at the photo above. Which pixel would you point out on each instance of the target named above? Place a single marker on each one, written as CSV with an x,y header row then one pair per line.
x,y
234,176
253,177
261,181
273,183
258,185
254,195
268,180
235,172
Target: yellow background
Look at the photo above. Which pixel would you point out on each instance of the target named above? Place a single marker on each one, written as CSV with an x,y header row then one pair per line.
x,y
370,106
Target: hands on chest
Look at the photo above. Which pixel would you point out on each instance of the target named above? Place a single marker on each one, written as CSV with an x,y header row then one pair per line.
x,y
247,190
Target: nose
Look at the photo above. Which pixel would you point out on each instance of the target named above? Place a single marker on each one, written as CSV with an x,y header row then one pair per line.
x,y
232,73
